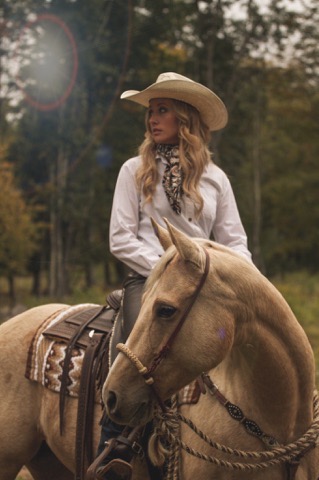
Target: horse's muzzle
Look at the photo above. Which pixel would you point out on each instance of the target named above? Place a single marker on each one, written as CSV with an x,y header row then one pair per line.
x,y
128,411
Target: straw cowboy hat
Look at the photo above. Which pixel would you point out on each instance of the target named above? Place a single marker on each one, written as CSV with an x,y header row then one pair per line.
x,y
173,85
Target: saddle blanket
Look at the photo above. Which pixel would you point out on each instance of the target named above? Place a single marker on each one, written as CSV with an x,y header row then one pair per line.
x,y
46,356
189,394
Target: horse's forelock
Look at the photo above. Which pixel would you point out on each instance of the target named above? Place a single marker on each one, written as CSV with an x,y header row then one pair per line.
x,y
159,268
166,259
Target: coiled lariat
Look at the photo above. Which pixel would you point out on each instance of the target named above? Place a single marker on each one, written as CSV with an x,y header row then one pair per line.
x,y
165,423
165,443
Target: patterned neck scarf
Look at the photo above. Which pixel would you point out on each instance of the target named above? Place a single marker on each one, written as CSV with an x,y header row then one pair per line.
x,y
173,175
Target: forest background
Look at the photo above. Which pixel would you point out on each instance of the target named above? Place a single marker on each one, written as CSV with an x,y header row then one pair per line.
x,y
64,133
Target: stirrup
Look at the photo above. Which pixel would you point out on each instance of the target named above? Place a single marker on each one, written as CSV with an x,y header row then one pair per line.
x,y
119,467
125,447
97,465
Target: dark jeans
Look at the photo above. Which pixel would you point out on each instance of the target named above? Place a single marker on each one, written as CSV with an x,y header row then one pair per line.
x,y
133,289
132,294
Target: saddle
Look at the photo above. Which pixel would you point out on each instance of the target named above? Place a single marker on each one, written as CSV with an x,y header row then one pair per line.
x,y
90,330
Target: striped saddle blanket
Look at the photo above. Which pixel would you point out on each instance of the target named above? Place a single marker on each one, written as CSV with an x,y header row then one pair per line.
x,y
49,345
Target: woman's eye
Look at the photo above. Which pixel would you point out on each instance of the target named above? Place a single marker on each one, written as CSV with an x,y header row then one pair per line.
x,y
166,311
163,110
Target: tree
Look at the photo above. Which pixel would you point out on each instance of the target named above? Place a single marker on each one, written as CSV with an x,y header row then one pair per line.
x,y
55,149
66,159
291,166
17,231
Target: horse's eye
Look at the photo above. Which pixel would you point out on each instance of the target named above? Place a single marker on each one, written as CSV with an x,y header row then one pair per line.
x,y
165,311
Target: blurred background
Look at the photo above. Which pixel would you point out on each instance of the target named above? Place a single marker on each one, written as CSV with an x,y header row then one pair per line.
x,y
64,133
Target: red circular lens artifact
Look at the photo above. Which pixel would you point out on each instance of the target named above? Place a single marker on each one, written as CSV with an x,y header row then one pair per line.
x,y
33,98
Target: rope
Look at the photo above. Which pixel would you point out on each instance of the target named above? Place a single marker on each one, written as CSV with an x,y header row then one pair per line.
x,y
133,358
172,467
166,429
269,458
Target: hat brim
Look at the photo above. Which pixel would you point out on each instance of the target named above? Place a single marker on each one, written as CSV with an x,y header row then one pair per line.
x,y
210,106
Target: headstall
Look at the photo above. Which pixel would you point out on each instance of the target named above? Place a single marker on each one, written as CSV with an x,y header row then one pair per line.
x,y
148,372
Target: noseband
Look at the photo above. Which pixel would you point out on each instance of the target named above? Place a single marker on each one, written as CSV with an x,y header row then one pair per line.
x,y
147,373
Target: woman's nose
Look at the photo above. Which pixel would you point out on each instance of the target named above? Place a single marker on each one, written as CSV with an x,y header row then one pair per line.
x,y
153,119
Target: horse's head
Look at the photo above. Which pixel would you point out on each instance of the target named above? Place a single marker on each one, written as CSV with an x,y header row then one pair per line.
x,y
204,339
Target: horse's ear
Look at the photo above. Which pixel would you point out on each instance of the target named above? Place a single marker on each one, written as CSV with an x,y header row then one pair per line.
x,y
162,234
189,250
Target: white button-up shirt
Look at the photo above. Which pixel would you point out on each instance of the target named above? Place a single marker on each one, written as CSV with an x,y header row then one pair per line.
x,y
132,238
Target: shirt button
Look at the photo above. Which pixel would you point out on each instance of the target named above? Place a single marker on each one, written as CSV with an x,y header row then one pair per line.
x,y
190,219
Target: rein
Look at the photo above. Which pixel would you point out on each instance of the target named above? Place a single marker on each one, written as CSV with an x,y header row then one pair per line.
x,y
148,372
250,426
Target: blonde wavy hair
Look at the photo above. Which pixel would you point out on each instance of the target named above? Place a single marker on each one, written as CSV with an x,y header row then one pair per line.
x,y
194,154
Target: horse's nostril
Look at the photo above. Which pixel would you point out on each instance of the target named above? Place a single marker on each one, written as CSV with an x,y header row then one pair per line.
x,y
111,401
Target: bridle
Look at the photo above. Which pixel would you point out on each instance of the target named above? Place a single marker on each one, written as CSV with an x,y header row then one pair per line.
x,y
293,461
147,373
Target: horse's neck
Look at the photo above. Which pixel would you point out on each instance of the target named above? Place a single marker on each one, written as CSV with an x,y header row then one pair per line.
x,y
272,363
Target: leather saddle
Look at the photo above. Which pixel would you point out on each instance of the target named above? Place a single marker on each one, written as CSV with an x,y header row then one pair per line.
x,y
90,329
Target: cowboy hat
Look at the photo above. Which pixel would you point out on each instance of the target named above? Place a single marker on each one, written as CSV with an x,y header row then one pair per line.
x,y
175,86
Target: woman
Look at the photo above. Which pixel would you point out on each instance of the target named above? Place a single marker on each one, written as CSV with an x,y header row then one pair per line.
x,y
173,177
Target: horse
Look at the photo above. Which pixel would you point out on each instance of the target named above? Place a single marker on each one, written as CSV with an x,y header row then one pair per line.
x,y
29,412
207,309
239,330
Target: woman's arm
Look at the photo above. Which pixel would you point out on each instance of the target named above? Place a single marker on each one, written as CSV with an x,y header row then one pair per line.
x,y
125,243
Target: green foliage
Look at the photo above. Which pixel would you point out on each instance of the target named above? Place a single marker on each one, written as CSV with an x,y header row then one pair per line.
x,y
269,148
17,232
301,291
291,172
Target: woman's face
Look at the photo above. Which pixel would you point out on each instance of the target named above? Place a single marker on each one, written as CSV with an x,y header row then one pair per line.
x,y
163,123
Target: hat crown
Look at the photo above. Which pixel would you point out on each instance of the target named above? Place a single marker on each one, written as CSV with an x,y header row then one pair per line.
x,y
167,76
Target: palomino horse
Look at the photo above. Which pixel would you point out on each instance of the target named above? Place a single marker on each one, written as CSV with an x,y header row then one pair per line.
x,y
29,413
237,328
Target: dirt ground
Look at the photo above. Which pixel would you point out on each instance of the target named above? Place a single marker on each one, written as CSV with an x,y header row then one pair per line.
x,y
24,475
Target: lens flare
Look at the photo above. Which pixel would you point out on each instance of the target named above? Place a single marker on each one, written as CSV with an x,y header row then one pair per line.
x,y
48,62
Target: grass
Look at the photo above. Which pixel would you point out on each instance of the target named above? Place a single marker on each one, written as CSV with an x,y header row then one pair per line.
x,y
80,294
301,291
